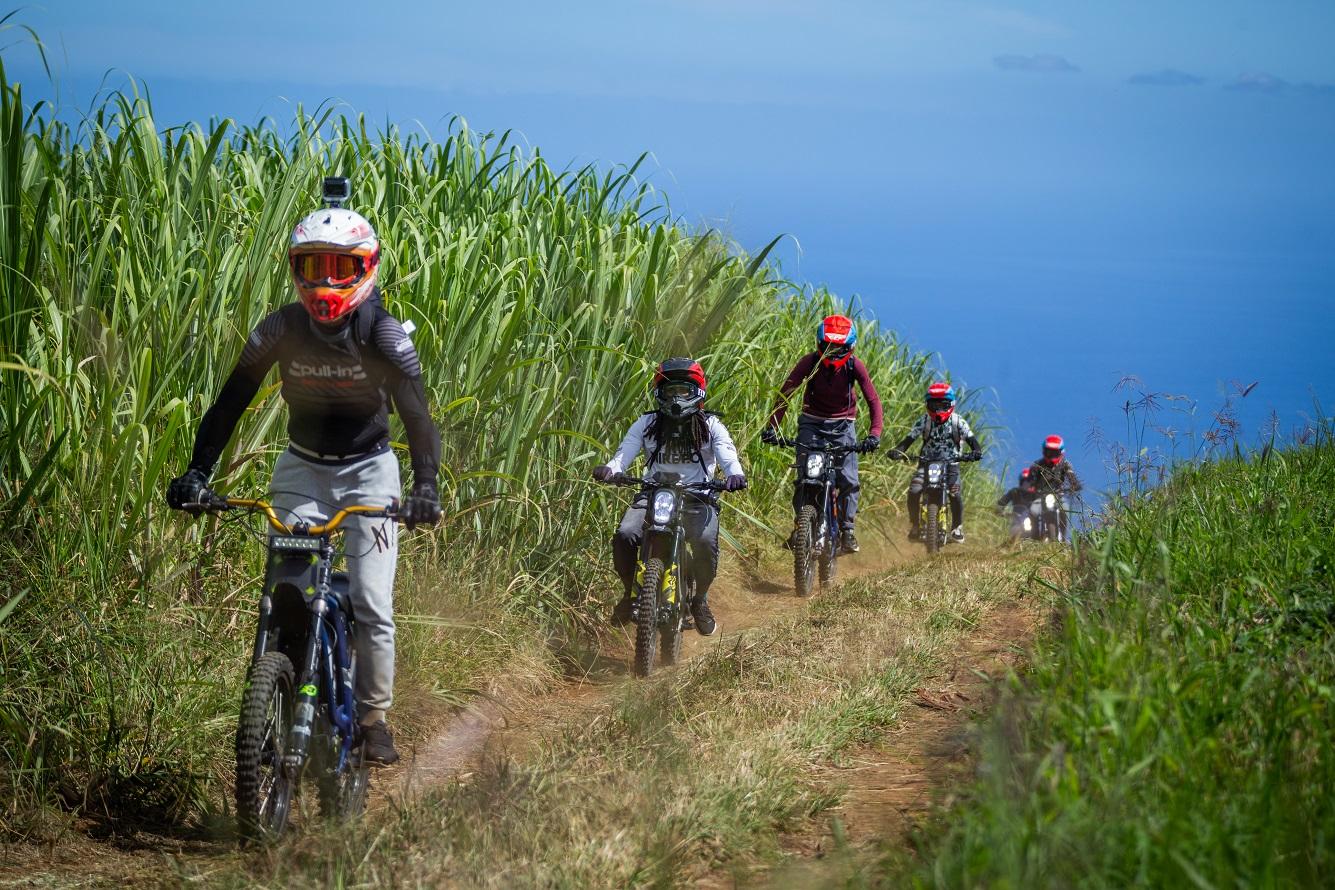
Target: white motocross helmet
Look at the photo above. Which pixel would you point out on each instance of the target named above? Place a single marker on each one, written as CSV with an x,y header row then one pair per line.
x,y
334,257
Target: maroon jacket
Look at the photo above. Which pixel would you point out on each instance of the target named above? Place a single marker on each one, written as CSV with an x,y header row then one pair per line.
x,y
829,393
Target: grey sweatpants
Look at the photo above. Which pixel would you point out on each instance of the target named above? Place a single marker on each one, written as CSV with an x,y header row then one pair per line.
x,y
315,492
818,431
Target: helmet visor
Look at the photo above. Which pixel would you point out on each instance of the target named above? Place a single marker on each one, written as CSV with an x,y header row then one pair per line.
x,y
936,406
677,391
328,269
835,350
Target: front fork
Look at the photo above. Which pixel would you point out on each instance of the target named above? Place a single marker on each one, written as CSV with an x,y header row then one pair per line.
x,y
668,585
308,692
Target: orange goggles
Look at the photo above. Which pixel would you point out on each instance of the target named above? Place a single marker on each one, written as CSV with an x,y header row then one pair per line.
x,y
330,269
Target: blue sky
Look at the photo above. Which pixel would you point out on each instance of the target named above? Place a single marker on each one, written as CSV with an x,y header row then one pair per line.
x,y
1050,195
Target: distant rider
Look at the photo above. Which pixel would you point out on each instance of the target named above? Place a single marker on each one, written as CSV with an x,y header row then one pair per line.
x,y
941,432
1018,499
1053,474
678,437
829,409
342,359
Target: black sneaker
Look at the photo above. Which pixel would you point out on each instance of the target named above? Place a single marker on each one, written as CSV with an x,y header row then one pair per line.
x,y
914,533
378,744
847,541
623,612
705,625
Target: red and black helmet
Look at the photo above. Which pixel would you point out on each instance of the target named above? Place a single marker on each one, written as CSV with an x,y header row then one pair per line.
x,y
834,340
679,387
1053,449
1024,476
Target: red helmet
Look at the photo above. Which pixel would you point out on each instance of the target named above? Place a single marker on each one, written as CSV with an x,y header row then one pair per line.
x,y
679,387
834,340
940,401
1024,475
1053,449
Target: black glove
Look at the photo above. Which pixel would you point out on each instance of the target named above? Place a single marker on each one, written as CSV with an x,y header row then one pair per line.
x,y
869,444
974,455
421,506
187,488
898,454
734,483
602,474
769,435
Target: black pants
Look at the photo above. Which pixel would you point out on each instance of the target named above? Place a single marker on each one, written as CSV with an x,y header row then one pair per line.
x,y
700,522
918,482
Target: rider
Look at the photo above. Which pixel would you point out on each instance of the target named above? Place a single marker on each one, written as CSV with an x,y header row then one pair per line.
x,y
342,359
679,437
941,431
829,407
1053,474
1018,499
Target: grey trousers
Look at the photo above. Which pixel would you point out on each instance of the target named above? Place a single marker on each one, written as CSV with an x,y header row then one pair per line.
x,y
314,492
814,431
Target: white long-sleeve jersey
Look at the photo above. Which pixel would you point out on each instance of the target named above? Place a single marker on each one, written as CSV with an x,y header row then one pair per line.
x,y
718,450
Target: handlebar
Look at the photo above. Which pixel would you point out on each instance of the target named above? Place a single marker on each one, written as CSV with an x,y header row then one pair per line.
x,y
785,442
212,503
962,459
642,482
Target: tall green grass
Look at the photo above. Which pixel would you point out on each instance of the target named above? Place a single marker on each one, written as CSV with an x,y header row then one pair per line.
x,y
1176,730
135,259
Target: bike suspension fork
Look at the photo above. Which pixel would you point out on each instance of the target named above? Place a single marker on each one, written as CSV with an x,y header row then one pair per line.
x,y
308,691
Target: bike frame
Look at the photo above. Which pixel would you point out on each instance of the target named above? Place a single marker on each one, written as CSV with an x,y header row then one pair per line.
x,y
664,536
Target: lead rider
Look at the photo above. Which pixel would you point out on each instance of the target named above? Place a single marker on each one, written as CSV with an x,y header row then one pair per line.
x,y
343,360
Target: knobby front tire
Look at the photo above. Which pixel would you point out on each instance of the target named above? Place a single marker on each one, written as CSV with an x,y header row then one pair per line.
x,y
263,792
646,618
803,559
933,539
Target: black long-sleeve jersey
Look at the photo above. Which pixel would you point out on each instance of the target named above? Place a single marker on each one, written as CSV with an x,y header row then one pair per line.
x,y
338,390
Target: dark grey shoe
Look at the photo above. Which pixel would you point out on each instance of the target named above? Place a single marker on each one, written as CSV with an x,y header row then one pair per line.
x,y
705,625
914,533
378,744
847,541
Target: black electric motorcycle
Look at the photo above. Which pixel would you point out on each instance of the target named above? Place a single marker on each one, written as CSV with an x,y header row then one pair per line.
x,y
816,527
663,591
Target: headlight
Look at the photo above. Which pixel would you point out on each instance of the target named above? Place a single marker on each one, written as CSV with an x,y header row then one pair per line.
x,y
1050,501
815,464
664,502
1028,524
934,473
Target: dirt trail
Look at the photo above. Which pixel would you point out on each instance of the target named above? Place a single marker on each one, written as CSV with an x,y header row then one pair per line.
x,y
741,601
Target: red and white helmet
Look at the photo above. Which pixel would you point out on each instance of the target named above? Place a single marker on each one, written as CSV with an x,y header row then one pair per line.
x,y
334,257
1053,449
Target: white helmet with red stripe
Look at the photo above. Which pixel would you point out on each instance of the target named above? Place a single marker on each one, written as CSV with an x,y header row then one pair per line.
x,y
334,257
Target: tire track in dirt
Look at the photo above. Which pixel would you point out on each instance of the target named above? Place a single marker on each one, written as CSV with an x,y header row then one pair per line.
x,y
742,601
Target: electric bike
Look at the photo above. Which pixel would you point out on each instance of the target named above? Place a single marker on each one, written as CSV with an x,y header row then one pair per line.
x,y
663,592
816,526
298,713
935,500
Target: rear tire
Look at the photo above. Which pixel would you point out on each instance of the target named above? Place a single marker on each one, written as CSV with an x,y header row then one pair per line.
x,y
646,618
263,793
804,562
933,531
